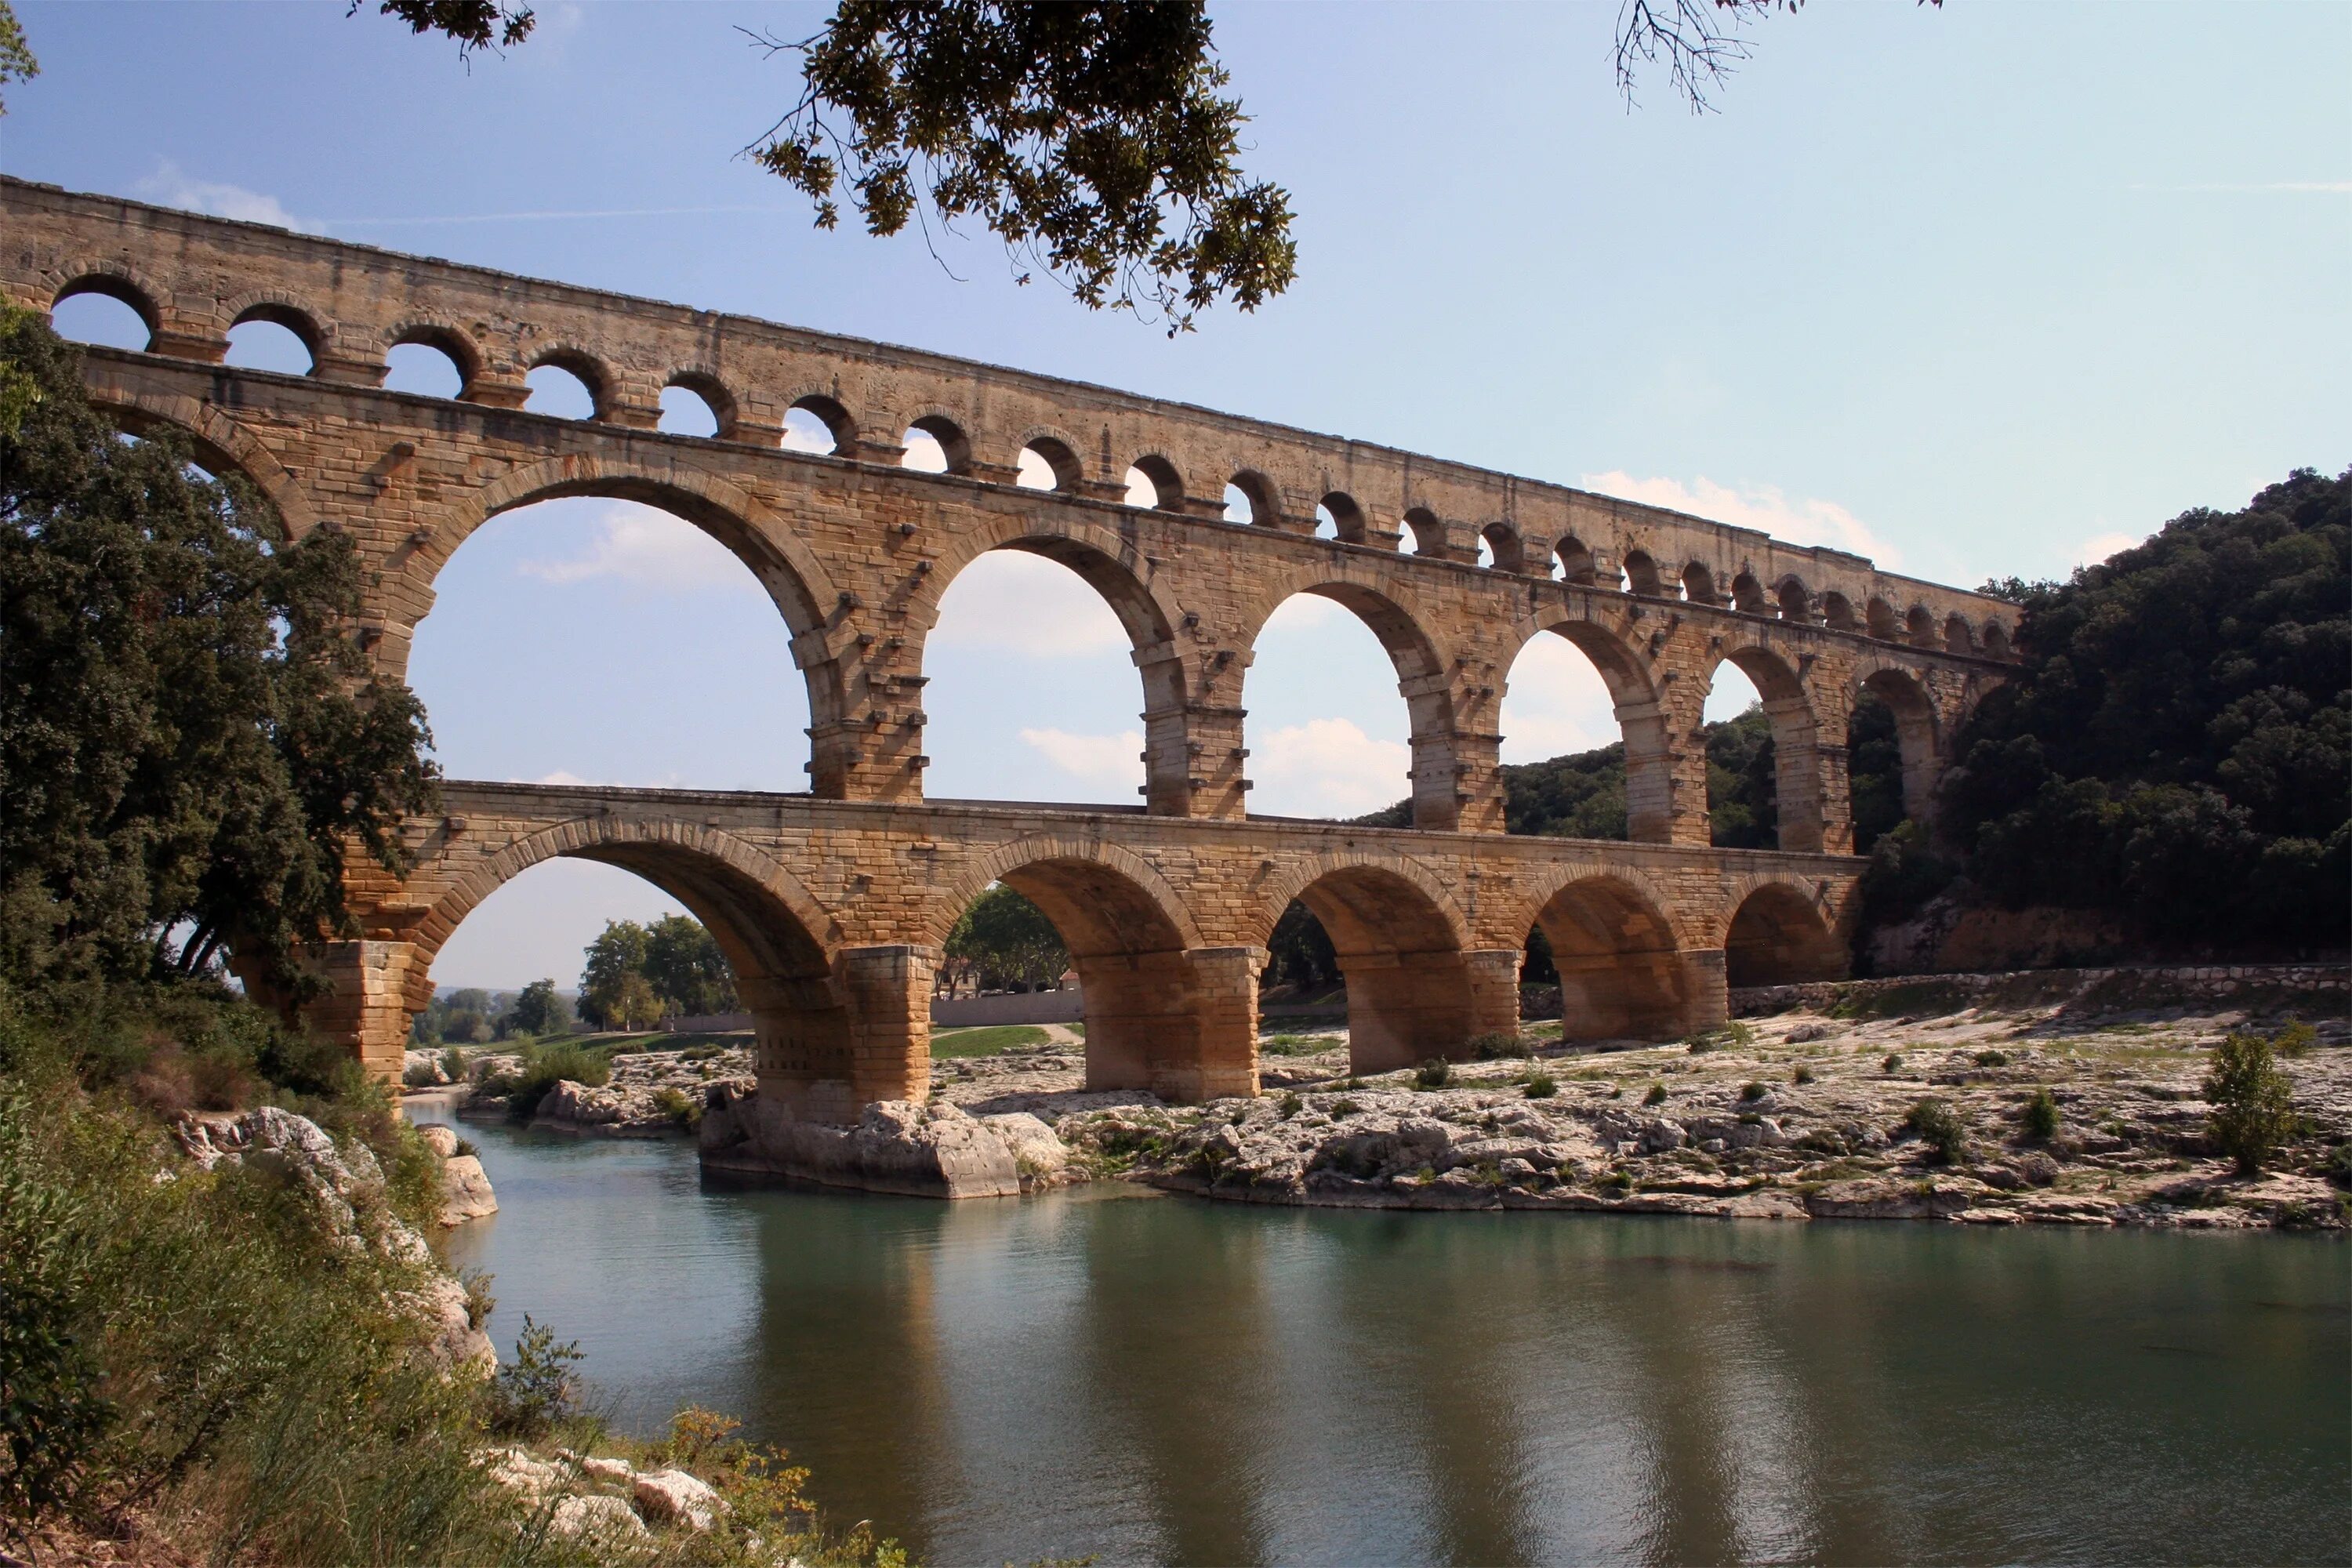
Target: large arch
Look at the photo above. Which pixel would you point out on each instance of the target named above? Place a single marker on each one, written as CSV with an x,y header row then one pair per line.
x,y
1796,749
1916,729
1621,974
220,443
1422,675
1403,951
1636,702
1113,566
781,943
1157,1016
1778,935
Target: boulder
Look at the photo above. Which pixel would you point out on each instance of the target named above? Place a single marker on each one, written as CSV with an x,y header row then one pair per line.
x,y
674,1497
465,1191
1872,1198
517,1472
1038,1154
595,1519
442,1141
898,1146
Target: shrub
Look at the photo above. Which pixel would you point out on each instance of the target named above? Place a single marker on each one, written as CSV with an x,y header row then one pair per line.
x,y
1894,1062
2042,1116
1658,1095
418,1076
1753,1091
1291,1106
1802,1074
2253,1102
678,1105
1699,1045
1992,1058
1497,1045
1542,1087
1434,1073
2294,1039
537,1391
544,1067
2339,1168
1345,1108
1933,1121
453,1062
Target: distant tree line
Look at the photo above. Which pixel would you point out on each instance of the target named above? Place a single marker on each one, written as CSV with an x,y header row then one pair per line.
x,y
637,975
1002,942
470,1015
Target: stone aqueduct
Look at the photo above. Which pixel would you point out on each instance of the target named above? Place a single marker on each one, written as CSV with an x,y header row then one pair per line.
x,y
832,904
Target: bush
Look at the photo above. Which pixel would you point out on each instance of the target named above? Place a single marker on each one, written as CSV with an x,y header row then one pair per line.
x,y
678,1105
2338,1167
1894,1062
536,1392
1658,1095
1934,1121
2253,1102
1497,1045
1753,1091
2293,1040
1434,1073
544,1067
453,1062
2042,1116
1992,1058
1801,1074
1290,1106
1542,1085
419,1076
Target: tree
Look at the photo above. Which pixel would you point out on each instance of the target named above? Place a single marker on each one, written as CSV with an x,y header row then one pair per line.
x,y
192,739
472,23
1299,953
1009,940
2252,1101
618,951
1698,41
16,61
683,963
1089,135
632,1004
539,1009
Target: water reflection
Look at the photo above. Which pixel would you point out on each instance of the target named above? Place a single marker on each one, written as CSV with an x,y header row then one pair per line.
x,y
1158,1380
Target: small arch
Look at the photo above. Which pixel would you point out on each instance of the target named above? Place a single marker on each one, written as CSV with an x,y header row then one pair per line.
x,y
1883,624
1795,604
946,437
266,345
1162,490
1573,562
437,355
1958,636
1919,625
1339,512
1424,534
1642,575
1699,583
1047,463
1778,937
1747,594
1506,552
1996,640
694,404
83,325
273,335
1250,498
819,425
568,385
1837,613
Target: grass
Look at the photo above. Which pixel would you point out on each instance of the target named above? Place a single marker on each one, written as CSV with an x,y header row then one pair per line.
x,y
986,1041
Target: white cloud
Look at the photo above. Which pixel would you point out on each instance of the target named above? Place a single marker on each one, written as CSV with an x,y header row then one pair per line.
x,y
1097,759
1327,767
2099,546
1762,506
171,188
1555,703
559,778
1027,605
648,548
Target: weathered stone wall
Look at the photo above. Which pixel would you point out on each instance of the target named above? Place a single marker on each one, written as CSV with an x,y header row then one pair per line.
x,y
2317,985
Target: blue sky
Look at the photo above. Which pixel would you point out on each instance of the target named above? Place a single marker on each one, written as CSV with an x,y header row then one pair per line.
x,y
1982,289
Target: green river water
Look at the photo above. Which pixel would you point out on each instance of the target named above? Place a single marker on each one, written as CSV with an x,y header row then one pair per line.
x,y
1163,1380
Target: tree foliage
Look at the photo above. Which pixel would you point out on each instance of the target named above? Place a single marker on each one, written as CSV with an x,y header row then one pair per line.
x,y
2175,745
539,1009
191,741
1006,942
1698,41
685,967
16,61
472,23
1091,136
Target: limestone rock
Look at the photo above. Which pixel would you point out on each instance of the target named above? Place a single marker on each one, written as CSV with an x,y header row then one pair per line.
x,y
1873,1199
595,1519
465,1191
675,1497
517,1472
442,1141
1038,1154
898,1146
597,1466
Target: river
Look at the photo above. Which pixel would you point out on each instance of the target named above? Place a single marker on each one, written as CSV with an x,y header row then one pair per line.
x,y
1163,1380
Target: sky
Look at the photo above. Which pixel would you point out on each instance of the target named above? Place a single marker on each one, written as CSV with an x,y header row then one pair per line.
x,y
1976,290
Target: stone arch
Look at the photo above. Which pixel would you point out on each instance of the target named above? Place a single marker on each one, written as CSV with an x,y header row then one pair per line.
x,y
1699,583
280,309
447,337
1776,932
1399,625
1615,943
1167,482
1918,732
1996,640
1796,734
1403,946
1346,518
706,384
828,410
1265,498
955,444
1635,698
1795,604
1509,551
1641,577
1919,626
219,442
1155,1018
1427,534
1881,621
1573,561
116,280
592,373
1837,613
1747,593
1959,638
1060,454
